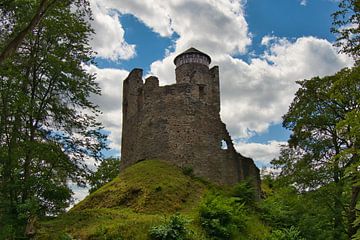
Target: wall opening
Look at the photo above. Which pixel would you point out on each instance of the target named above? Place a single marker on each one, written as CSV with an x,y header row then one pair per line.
x,y
224,145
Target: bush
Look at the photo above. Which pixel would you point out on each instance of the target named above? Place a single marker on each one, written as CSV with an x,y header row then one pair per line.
x,y
291,233
174,229
221,217
245,192
7,232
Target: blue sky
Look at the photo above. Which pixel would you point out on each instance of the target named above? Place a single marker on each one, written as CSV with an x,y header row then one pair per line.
x,y
262,47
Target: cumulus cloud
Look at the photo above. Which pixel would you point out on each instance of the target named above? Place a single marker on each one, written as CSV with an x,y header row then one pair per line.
x,y
108,41
110,102
261,153
153,13
201,23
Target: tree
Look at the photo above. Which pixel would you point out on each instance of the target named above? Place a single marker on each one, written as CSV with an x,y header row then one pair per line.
x,y
322,151
284,209
13,44
349,129
107,171
48,125
346,26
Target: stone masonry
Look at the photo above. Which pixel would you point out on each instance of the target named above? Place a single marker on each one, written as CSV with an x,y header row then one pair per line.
x,y
180,123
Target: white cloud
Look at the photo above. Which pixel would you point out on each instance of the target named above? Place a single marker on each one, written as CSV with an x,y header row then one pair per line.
x,y
79,193
262,153
201,23
110,102
153,13
108,41
266,40
303,2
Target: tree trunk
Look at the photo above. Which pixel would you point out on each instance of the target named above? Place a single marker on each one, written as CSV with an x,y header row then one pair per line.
x,y
15,43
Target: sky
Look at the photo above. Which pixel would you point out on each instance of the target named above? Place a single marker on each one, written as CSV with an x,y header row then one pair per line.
x,y
262,48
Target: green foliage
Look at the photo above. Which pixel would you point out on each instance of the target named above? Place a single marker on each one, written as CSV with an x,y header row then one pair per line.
x,y
8,231
48,124
357,223
174,229
322,155
278,208
346,27
308,212
108,169
221,217
244,191
286,234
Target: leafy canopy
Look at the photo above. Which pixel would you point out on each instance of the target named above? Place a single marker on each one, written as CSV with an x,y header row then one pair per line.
x,y
48,124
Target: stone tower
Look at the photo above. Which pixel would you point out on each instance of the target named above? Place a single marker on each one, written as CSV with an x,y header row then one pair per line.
x,y
180,123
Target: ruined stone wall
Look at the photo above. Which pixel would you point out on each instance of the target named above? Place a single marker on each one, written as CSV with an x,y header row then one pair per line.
x,y
180,123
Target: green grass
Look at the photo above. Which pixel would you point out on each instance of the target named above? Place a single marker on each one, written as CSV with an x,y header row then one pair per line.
x,y
147,187
142,196
99,223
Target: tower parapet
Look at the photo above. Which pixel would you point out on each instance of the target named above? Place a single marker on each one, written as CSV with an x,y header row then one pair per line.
x,y
180,123
192,66
190,56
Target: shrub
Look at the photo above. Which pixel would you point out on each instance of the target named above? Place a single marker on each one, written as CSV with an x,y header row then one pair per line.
x,y
291,233
174,229
221,217
245,192
7,232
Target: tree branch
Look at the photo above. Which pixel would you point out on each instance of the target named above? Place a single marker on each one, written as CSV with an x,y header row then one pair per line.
x,y
13,45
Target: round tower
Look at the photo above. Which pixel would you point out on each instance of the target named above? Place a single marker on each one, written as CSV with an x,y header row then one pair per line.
x,y
192,66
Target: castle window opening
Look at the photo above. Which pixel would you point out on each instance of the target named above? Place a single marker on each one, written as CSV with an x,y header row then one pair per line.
x,y
224,145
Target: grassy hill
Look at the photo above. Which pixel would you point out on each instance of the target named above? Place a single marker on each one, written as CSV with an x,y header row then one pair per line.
x,y
142,196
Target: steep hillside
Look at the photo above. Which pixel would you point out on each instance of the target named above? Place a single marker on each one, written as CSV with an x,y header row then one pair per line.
x,y
144,195
147,187
138,198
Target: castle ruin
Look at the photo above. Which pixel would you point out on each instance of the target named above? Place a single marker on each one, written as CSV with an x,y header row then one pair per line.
x,y
180,123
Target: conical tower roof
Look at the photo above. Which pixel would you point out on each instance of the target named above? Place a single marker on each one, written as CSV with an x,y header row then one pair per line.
x,y
192,50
